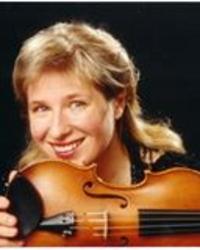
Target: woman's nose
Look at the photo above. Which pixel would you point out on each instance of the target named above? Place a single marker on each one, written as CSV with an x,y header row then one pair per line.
x,y
59,127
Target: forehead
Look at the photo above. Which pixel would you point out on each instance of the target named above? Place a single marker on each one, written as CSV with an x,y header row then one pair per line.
x,y
55,85
53,80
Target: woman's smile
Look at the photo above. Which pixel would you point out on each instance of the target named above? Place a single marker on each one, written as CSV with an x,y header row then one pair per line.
x,y
66,150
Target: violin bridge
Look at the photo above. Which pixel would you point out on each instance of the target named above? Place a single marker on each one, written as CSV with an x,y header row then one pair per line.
x,y
97,222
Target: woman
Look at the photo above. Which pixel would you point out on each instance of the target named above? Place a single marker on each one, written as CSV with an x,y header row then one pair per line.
x,y
78,90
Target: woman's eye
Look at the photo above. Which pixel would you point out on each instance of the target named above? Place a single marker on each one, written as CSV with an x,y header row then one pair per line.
x,y
77,105
39,109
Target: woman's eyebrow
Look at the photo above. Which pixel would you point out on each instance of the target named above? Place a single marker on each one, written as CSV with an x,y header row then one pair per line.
x,y
73,96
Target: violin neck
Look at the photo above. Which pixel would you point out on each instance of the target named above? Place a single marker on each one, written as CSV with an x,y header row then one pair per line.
x,y
163,221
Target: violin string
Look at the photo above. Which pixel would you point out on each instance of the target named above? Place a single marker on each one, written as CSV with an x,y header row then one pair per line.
x,y
132,227
131,230
127,218
166,219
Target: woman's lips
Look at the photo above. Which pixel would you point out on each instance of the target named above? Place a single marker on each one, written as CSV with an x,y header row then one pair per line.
x,y
66,150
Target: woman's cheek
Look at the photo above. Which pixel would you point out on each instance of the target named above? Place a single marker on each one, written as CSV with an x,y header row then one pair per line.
x,y
38,129
99,123
90,124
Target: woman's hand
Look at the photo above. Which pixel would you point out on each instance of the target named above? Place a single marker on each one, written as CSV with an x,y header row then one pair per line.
x,y
8,222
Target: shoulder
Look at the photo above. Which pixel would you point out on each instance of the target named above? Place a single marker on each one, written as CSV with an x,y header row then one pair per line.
x,y
169,160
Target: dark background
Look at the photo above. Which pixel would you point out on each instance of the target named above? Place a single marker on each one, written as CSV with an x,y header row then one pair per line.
x,y
164,39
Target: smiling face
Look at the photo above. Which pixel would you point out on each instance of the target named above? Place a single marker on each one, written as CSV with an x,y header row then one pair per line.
x,y
71,120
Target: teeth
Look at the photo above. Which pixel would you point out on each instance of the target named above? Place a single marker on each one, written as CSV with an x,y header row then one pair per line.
x,y
66,148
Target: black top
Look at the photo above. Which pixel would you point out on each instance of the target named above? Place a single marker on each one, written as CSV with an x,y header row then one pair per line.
x,y
166,161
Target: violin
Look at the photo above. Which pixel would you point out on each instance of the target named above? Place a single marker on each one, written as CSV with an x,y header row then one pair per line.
x,y
74,207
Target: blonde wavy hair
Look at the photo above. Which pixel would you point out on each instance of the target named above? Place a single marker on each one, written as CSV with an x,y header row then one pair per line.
x,y
95,55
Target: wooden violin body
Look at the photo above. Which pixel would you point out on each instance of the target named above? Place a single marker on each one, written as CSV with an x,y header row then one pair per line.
x,y
162,210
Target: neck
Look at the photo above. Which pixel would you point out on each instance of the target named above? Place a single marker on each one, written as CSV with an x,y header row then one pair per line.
x,y
115,166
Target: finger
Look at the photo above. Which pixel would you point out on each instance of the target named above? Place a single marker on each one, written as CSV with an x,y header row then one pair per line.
x,y
4,202
8,232
7,219
10,243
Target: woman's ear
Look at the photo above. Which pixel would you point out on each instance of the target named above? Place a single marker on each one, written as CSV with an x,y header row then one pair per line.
x,y
119,105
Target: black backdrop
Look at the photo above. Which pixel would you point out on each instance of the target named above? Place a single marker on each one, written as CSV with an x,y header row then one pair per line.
x,y
164,39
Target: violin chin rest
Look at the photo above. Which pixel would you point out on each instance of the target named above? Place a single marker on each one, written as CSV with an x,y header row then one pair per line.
x,y
25,204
